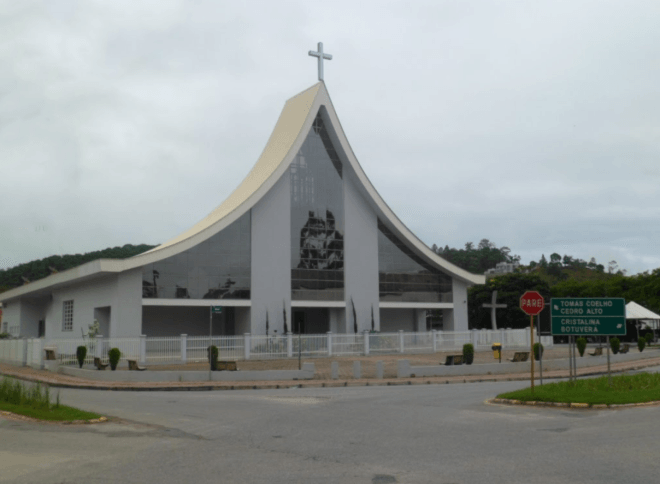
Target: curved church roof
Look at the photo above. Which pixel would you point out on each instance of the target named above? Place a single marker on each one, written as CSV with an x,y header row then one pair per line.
x,y
294,123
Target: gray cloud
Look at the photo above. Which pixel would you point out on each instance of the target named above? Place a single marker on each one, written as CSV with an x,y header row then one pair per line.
x,y
532,124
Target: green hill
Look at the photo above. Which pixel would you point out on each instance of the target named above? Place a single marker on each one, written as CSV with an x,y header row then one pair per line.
x,y
38,269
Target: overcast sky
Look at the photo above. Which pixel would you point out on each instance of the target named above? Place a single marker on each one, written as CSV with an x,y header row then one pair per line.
x,y
533,124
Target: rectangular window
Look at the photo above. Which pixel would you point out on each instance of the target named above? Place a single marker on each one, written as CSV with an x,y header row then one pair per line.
x,y
67,316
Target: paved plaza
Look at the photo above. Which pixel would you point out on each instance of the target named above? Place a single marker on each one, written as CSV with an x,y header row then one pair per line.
x,y
402,434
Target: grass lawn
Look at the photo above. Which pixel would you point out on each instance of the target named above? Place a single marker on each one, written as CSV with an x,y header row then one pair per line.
x,y
643,387
34,401
60,414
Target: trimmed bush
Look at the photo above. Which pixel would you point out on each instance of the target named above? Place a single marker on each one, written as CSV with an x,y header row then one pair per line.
x,y
468,353
538,347
615,344
581,345
649,338
641,344
212,355
81,353
113,355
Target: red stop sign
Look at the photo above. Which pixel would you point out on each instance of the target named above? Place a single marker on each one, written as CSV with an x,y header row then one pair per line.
x,y
532,303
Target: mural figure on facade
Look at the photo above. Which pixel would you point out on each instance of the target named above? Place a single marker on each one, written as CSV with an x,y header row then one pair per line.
x,y
321,245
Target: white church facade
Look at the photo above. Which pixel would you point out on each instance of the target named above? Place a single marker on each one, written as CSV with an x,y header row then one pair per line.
x,y
304,244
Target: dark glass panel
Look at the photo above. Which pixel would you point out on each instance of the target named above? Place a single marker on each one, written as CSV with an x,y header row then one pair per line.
x,y
218,268
317,219
404,277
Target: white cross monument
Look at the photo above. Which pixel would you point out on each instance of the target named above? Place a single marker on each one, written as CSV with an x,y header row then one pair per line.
x,y
320,55
493,307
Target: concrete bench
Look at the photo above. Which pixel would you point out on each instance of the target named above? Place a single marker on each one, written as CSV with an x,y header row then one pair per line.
x,y
597,352
99,365
227,366
454,360
133,365
519,357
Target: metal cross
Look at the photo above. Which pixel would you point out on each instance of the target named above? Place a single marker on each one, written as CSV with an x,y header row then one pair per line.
x,y
493,307
320,55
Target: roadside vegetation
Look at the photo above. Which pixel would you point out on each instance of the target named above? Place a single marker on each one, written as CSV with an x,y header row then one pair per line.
x,y
640,388
35,402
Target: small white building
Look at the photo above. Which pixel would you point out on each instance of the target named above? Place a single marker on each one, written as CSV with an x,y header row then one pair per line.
x,y
503,268
305,241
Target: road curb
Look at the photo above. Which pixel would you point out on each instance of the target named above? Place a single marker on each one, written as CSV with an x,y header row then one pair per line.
x,y
84,385
572,405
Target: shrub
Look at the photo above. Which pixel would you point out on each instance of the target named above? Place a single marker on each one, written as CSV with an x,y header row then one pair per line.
x,y
468,353
212,354
649,338
81,353
615,344
581,345
113,355
641,344
537,347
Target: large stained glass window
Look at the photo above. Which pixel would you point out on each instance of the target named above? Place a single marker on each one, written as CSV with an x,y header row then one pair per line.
x,y
218,268
404,277
317,219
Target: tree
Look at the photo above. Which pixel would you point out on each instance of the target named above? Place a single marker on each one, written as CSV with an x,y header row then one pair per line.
x,y
543,262
612,267
510,287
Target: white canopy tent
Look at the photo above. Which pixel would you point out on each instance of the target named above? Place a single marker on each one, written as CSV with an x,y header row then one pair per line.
x,y
646,316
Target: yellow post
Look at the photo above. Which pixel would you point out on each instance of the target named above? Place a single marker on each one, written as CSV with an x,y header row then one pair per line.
x,y
531,333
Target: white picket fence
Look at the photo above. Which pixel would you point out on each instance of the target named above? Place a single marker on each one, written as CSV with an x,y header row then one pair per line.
x,y
183,348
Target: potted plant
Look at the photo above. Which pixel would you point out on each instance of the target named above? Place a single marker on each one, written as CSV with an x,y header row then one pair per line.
x,y
212,353
581,345
538,351
113,355
615,344
81,353
468,353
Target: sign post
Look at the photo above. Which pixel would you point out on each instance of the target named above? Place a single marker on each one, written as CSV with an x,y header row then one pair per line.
x,y
595,316
532,303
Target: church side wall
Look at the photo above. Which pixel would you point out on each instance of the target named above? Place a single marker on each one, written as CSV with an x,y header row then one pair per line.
x,y
11,314
242,321
396,319
86,296
360,258
31,314
126,313
177,320
271,259
459,319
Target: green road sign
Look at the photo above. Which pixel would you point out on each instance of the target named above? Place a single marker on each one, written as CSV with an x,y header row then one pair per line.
x,y
592,316
216,309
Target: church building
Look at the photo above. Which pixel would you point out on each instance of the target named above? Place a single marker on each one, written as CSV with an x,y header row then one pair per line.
x,y
304,244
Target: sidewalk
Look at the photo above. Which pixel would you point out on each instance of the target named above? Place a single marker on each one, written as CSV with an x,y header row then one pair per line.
x,y
63,381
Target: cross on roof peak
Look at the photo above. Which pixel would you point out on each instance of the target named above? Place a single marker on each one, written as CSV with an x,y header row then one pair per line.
x,y
321,56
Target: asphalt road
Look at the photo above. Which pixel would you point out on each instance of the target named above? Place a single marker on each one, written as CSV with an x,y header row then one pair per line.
x,y
407,434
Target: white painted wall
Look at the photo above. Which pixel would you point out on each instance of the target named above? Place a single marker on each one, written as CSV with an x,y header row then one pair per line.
x,y
459,319
126,313
86,295
11,314
271,259
360,258
31,312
